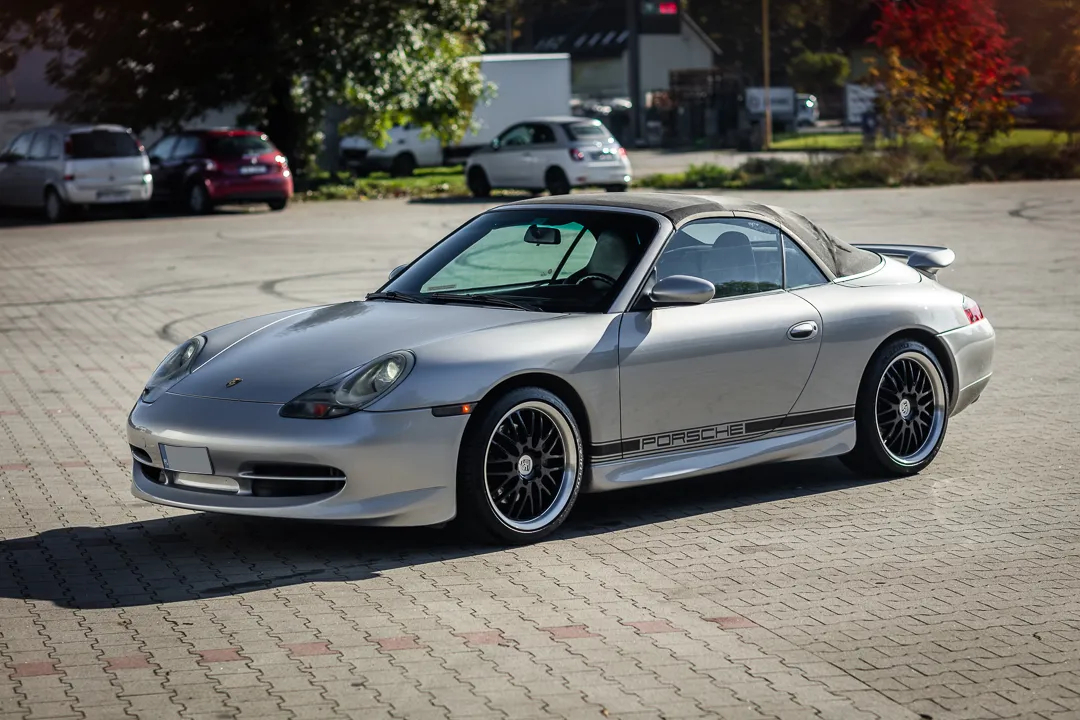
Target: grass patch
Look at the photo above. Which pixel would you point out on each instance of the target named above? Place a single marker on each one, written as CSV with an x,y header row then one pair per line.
x,y
849,141
914,166
425,182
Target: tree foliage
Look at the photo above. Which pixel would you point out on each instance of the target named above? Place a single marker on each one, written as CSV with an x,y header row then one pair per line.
x,y
819,72
1050,45
148,63
959,62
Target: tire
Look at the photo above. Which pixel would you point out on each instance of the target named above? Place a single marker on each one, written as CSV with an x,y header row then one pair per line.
x,y
556,182
617,188
403,165
901,413
198,199
55,209
139,210
478,183
279,204
502,493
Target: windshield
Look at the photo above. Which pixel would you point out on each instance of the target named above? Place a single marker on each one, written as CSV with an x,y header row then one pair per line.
x,y
234,146
538,258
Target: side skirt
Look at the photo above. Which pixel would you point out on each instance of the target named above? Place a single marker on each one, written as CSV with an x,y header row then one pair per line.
x,y
818,442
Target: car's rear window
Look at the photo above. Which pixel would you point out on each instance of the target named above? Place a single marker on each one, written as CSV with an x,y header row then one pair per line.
x,y
103,144
587,131
225,146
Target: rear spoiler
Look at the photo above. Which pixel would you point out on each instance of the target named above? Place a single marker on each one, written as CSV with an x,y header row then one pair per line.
x,y
927,259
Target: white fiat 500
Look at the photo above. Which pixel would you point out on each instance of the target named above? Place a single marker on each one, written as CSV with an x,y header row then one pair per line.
x,y
554,154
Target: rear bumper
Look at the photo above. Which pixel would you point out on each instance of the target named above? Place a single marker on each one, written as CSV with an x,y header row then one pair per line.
x,y
107,195
601,174
972,350
271,186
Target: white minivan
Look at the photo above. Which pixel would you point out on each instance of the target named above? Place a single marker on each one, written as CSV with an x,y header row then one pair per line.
x,y
554,154
56,167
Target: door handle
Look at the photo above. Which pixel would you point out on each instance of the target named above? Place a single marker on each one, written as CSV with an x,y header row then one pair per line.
x,y
803,331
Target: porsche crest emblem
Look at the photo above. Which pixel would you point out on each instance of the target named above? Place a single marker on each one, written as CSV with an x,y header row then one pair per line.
x,y
234,381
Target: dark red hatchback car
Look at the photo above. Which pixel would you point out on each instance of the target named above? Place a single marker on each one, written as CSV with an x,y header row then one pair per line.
x,y
198,169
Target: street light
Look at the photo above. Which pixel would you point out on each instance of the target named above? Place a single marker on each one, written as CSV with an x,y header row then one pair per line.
x,y
765,61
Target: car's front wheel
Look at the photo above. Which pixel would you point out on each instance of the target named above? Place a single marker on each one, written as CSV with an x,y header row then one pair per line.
x,y
556,182
55,207
520,468
478,183
901,413
198,199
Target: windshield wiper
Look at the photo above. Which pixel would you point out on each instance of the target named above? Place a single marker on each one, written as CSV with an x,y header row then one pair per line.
x,y
393,295
481,299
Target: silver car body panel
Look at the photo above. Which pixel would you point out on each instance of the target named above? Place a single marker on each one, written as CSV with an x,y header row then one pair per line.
x,y
663,394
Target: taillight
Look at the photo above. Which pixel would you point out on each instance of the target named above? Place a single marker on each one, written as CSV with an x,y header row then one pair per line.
x,y
67,146
69,178
622,151
282,163
972,310
576,155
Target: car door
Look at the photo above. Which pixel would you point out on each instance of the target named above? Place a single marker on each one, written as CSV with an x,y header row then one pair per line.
x,y
543,152
186,154
159,154
35,170
13,190
724,371
506,167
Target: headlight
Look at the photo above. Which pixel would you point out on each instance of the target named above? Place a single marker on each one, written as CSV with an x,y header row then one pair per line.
x,y
352,391
175,366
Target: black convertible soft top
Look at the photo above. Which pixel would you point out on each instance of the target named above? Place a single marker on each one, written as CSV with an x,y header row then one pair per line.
x,y
840,258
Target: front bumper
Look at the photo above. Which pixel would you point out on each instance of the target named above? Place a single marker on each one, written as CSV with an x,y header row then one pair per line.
x,y
399,468
972,350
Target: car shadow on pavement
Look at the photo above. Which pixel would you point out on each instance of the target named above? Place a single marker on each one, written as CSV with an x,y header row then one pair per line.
x,y
198,556
28,218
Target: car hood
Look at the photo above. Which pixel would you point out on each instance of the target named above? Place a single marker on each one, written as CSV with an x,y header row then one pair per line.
x,y
295,352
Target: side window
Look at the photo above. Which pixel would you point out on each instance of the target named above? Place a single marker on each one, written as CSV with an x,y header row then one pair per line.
x,y
801,270
738,256
542,134
53,151
186,146
163,148
20,147
516,136
39,148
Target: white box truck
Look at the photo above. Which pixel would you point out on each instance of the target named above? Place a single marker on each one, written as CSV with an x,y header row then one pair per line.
x,y
526,86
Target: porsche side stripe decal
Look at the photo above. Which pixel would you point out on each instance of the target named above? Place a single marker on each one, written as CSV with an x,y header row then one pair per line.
x,y
709,435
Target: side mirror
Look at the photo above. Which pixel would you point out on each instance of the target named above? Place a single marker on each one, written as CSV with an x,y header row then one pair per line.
x,y
398,270
681,290
495,144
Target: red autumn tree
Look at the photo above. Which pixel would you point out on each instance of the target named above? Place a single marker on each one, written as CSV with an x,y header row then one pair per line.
x,y
960,57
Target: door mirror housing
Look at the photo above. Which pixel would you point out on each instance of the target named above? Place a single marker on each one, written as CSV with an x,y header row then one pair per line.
x,y
495,144
677,290
398,270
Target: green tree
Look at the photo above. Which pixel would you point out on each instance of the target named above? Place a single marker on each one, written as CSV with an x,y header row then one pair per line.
x,y
148,63
819,72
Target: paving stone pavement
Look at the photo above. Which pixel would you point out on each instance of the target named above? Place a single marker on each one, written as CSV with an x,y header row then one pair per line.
x,y
792,591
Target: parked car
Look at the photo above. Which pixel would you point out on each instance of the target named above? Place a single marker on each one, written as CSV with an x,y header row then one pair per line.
x,y
563,345
198,169
408,149
554,154
59,166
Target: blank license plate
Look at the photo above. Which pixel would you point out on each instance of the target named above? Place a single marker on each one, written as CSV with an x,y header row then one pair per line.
x,y
253,169
112,194
194,460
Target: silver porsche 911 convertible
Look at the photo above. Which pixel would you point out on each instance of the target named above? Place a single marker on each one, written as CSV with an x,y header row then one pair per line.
x,y
562,345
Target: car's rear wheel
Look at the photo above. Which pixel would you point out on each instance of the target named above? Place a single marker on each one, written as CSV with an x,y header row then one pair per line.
x,y
403,165
902,411
278,204
55,207
556,182
478,183
198,199
520,468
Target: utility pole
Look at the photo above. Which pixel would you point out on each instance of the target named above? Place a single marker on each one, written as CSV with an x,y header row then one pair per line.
x,y
634,48
509,26
765,62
